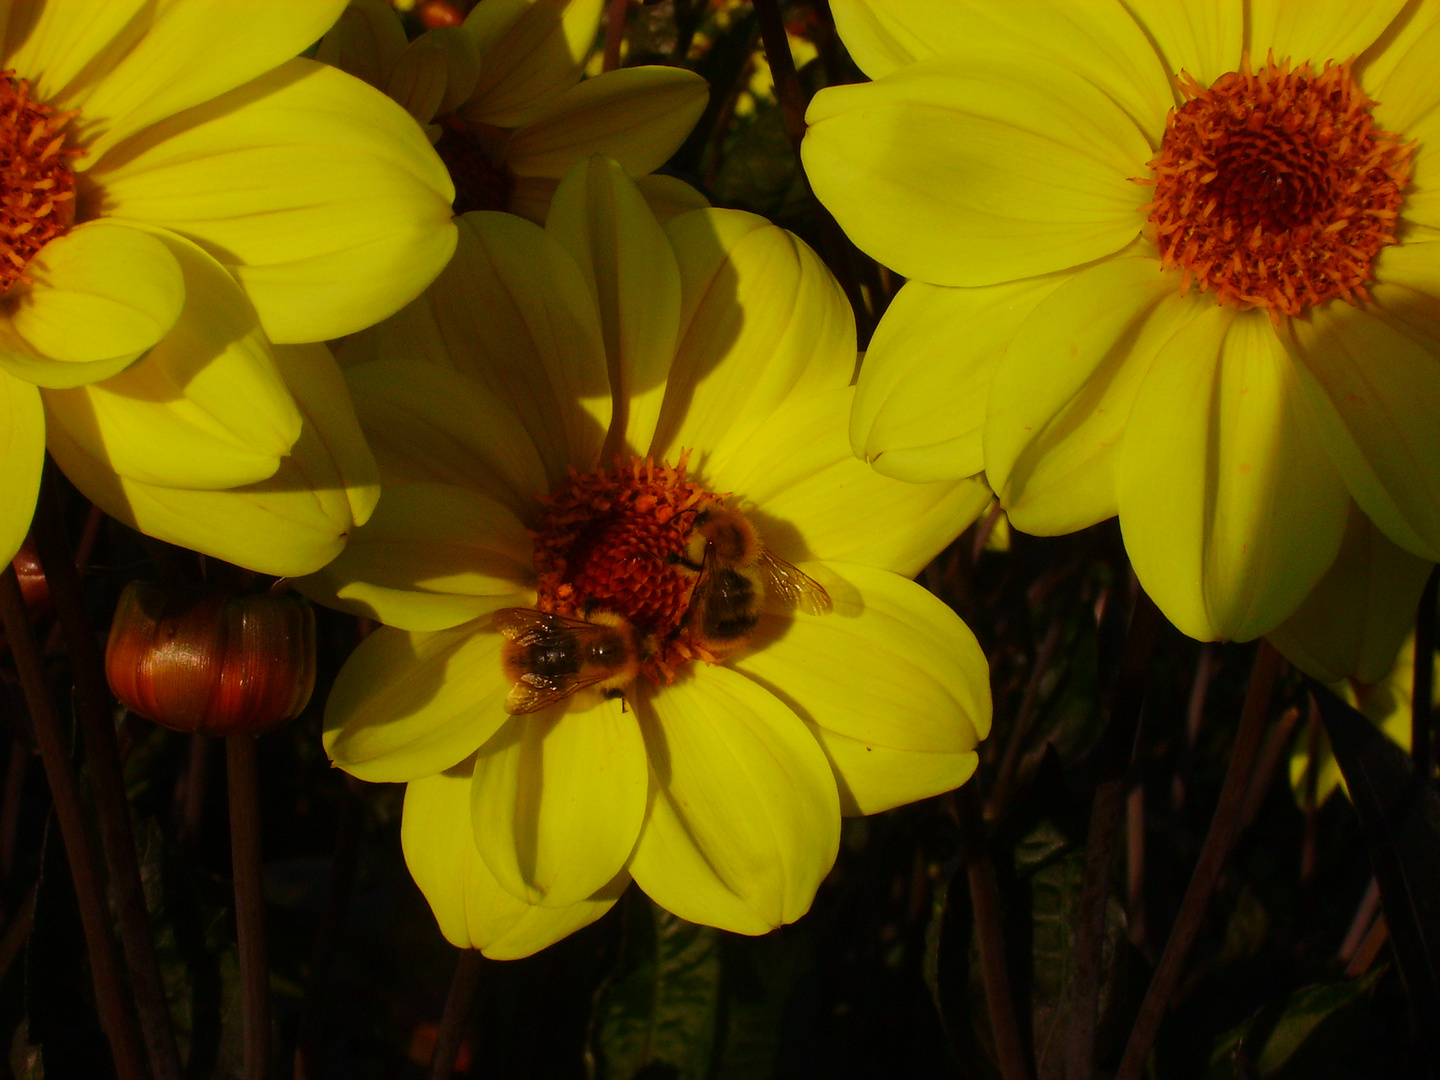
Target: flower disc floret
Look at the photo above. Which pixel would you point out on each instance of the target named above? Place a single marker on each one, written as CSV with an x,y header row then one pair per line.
x,y
37,185
1274,189
615,541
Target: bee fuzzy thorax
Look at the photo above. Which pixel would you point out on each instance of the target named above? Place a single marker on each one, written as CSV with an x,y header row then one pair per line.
x,y
643,557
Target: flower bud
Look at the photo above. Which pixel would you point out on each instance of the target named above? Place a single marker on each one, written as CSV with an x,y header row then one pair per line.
x,y
33,586
202,658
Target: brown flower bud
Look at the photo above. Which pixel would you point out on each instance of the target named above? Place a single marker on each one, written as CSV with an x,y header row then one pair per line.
x,y
33,585
202,658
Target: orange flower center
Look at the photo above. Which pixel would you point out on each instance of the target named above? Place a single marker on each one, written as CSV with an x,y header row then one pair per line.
x,y
1274,189
482,181
37,187
617,541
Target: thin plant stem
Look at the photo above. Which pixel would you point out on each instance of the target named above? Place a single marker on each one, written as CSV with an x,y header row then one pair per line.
x,y
309,1046
1364,916
94,709
1207,868
985,902
110,994
1135,920
458,1004
1310,841
1106,813
1369,948
1423,685
190,813
614,33
1272,752
1024,716
241,771
835,246
15,773
1194,714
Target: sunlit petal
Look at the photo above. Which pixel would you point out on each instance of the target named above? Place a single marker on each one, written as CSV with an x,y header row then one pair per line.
x,y
22,456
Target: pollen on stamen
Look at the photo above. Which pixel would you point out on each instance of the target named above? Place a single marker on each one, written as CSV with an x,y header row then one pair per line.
x,y
614,540
1274,188
37,184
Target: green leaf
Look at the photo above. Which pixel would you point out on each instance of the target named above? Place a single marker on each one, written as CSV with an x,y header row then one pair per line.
x,y
1400,814
658,1017
1306,1036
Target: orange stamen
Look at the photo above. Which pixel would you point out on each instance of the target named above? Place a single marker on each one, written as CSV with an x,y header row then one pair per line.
x,y
1275,189
37,186
612,541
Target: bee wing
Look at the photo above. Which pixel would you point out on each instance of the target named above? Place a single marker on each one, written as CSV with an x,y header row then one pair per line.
x,y
533,692
527,626
792,586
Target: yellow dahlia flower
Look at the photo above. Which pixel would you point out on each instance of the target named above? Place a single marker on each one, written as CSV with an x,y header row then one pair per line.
x,y
550,419
176,194
502,98
1173,260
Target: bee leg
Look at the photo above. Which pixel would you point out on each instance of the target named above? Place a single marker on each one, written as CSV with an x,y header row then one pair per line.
x,y
676,559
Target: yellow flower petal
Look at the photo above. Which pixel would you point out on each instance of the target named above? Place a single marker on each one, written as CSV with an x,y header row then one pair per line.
x,y
1317,30
407,705
512,311
1099,40
51,44
366,41
206,408
173,57
1376,66
530,52
1230,508
762,319
558,799
1202,37
669,196
813,499
101,295
22,456
891,682
1408,102
639,116
435,73
426,423
1061,398
977,168
1357,616
1369,376
920,400
359,226
290,524
473,911
600,218
433,556
746,820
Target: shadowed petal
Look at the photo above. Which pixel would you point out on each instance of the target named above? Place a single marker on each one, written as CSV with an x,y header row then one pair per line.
x,y
977,168
207,408
432,556
361,223
473,911
1357,616
746,819
558,799
101,295
22,457
920,401
407,705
